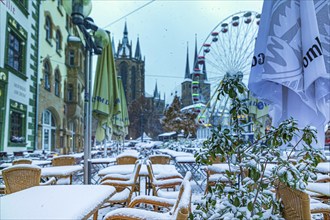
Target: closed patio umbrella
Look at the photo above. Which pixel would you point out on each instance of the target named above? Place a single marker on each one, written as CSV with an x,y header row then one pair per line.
x,y
291,64
106,99
121,121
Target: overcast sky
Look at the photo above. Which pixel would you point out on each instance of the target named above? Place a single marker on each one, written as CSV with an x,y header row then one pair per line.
x,y
164,28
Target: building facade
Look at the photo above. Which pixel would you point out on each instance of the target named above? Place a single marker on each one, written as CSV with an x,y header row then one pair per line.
x,y
61,81
18,74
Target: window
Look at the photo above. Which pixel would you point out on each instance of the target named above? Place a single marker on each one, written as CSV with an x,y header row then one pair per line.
x,y
79,94
47,75
57,83
17,123
70,92
58,41
48,118
16,40
133,86
71,58
15,55
48,28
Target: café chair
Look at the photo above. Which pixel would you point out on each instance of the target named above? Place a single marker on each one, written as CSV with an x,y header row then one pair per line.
x,y
180,210
64,160
160,159
23,176
22,161
298,205
164,183
126,159
124,188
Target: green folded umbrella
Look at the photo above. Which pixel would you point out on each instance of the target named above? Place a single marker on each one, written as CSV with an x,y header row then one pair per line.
x,y
106,96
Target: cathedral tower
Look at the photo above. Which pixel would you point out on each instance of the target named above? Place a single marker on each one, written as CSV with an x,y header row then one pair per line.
x,y
130,67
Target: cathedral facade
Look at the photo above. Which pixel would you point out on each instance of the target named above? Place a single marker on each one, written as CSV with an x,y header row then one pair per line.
x,y
142,108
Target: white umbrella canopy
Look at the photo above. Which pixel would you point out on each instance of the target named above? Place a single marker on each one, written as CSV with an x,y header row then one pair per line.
x,y
291,64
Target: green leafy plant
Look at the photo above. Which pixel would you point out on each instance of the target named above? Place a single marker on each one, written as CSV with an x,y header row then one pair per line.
x,y
255,166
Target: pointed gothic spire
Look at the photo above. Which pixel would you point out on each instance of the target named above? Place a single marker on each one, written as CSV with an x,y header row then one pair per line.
x,y
138,50
125,36
187,73
124,48
156,91
196,67
113,47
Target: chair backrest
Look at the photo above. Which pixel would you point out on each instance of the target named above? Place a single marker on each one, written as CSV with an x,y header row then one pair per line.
x,y
64,160
127,159
22,161
182,207
296,203
19,177
160,159
150,171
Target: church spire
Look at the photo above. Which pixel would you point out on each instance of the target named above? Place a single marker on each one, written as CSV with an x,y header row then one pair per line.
x,y
187,73
138,50
196,67
113,47
124,48
156,91
125,36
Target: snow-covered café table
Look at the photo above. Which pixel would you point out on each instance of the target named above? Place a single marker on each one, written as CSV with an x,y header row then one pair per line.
x,y
158,170
55,202
128,169
61,172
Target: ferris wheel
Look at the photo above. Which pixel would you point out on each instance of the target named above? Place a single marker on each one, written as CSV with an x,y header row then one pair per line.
x,y
228,50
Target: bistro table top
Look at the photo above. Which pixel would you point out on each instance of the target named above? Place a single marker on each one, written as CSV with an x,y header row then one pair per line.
x,y
128,168
34,162
60,171
55,202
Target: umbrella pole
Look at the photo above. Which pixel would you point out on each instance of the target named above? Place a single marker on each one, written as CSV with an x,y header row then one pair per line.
x,y
87,134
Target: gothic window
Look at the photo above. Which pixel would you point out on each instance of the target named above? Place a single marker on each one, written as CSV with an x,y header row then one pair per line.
x,y
47,75
58,41
79,94
70,93
71,58
133,85
48,28
123,73
57,82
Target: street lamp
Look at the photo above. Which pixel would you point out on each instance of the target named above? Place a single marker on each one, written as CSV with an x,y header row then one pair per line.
x,y
94,40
